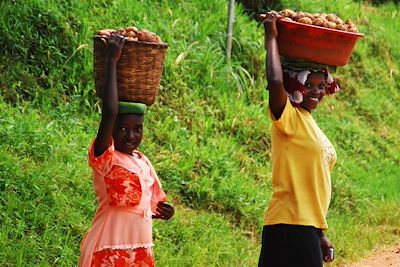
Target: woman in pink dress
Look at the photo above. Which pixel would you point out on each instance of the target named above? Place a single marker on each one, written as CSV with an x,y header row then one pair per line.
x,y
128,190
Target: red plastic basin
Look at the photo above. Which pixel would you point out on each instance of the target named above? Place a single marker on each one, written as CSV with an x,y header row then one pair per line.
x,y
315,44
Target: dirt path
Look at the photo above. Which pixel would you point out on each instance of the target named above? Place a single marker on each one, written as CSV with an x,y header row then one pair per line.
x,y
389,257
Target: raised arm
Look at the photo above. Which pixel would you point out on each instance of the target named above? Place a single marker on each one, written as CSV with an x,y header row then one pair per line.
x,y
109,110
277,94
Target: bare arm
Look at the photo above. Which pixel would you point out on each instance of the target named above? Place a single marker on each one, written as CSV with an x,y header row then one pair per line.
x,y
277,94
109,110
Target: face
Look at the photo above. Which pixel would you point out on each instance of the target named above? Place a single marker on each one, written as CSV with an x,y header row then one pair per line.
x,y
128,132
314,90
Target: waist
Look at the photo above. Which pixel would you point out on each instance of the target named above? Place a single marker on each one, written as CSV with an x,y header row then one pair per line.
x,y
293,227
132,209
145,212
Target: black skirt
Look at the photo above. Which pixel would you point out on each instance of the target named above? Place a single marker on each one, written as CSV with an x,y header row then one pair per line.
x,y
286,245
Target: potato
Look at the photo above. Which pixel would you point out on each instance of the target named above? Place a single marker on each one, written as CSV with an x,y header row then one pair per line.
x,y
306,20
338,21
353,29
121,31
104,33
287,13
147,36
331,17
287,19
109,30
329,24
319,21
155,38
276,13
130,34
131,29
331,20
309,15
341,27
299,15
143,35
349,23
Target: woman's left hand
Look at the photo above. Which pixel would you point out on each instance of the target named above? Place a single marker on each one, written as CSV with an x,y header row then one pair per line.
x,y
164,211
326,245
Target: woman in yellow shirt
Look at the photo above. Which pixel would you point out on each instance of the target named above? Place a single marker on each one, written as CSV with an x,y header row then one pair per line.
x,y
302,159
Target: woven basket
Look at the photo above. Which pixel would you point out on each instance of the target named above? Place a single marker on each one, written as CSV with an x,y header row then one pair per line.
x,y
139,70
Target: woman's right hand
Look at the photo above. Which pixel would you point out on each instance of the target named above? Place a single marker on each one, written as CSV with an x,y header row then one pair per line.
x,y
114,47
164,211
269,21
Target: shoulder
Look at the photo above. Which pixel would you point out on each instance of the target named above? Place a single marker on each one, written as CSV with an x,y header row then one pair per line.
x,y
109,151
288,110
288,121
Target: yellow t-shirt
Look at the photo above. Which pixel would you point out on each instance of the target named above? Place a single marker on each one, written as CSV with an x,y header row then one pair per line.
x,y
302,159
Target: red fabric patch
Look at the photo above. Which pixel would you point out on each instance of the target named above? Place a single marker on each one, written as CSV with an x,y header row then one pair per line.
x,y
142,257
123,187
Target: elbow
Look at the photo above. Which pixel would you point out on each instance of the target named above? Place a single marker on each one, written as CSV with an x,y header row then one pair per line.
x,y
110,111
275,83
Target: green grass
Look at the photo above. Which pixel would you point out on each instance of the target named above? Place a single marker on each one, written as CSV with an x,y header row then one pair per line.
x,y
208,134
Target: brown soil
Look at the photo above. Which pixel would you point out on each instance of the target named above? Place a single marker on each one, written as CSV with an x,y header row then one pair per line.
x,y
389,257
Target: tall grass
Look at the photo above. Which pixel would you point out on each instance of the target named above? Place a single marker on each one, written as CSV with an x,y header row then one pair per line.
x,y
208,134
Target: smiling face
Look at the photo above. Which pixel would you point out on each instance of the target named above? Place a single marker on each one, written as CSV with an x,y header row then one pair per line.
x,y
128,132
314,90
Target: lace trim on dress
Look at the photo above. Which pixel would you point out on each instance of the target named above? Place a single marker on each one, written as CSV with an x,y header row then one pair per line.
x,y
129,246
329,153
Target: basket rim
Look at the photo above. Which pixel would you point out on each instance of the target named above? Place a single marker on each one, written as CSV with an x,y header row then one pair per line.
x,y
142,43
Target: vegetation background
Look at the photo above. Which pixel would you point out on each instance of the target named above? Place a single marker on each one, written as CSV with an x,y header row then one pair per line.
x,y
208,134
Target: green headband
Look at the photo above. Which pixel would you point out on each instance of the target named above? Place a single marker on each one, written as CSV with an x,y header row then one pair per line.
x,y
131,107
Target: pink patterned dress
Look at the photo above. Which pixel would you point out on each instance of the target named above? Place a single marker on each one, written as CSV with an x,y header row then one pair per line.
x,y
127,190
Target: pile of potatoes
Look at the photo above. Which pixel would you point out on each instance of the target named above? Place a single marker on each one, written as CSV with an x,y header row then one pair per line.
x,y
331,21
132,34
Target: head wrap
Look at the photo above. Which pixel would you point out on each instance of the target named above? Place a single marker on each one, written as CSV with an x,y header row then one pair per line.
x,y
131,108
295,75
294,83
